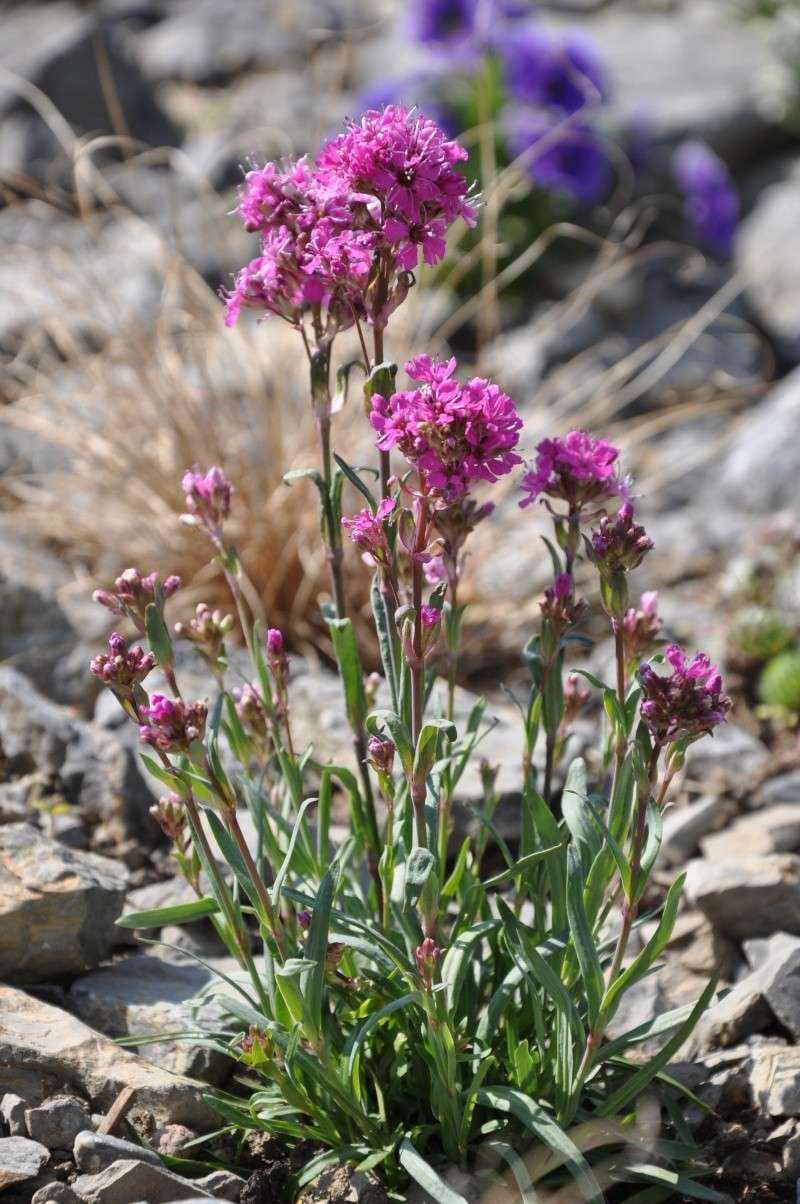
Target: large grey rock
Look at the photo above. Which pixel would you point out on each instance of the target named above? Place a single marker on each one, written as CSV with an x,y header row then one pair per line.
x,y
765,256
143,995
783,789
758,465
44,1049
223,1185
20,1160
68,54
58,906
58,1121
12,1114
130,1182
685,826
769,830
93,1152
775,964
749,897
55,1193
731,754
775,1079
201,42
84,763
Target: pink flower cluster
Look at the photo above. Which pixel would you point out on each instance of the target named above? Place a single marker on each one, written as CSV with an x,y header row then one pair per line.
x,y
173,724
379,192
133,593
208,497
122,668
368,533
452,433
576,469
619,544
686,704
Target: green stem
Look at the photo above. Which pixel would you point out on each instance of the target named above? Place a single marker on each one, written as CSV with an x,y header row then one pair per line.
x,y
417,666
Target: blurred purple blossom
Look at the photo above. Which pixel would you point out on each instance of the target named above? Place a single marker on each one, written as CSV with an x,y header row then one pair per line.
x,y
711,203
551,70
571,160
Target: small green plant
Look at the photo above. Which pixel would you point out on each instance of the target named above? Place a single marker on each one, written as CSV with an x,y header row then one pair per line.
x,y
779,684
398,1004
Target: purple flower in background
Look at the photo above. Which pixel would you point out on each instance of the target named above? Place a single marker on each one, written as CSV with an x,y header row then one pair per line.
x,y
711,203
455,24
208,497
368,533
551,70
571,160
619,544
173,724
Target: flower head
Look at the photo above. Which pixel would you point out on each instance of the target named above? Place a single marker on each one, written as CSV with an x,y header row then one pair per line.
x,y
368,533
711,204
399,170
577,469
641,626
207,631
686,704
208,497
250,709
133,593
452,433
173,725
559,607
619,544
427,957
170,814
552,70
380,754
122,668
571,160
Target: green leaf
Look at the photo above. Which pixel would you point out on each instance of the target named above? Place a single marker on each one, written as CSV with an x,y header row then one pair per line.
x,y
644,960
639,1080
317,947
417,872
652,844
424,1174
386,641
577,814
354,1046
172,778
507,1100
356,482
324,815
345,648
428,743
456,960
342,382
588,960
280,877
179,913
158,637
679,1184
520,866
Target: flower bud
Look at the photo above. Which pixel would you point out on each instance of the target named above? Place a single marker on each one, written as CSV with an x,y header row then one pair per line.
x,y
380,754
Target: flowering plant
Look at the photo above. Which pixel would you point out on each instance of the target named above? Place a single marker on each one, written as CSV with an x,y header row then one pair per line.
x,y
400,1005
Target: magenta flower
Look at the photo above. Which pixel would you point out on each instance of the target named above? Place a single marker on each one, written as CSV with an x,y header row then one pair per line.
x,y
208,498
400,167
122,668
559,607
380,754
274,641
173,724
576,469
688,703
619,544
272,193
641,626
452,433
430,616
368,533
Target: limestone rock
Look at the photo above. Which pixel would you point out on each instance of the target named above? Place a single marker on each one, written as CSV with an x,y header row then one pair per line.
x,y
57,1121
773,829
129,1182
57,906
749,897
775,1079
685,826
43,1049
93,1152
12,1114
223,1185
20,1159
142,995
